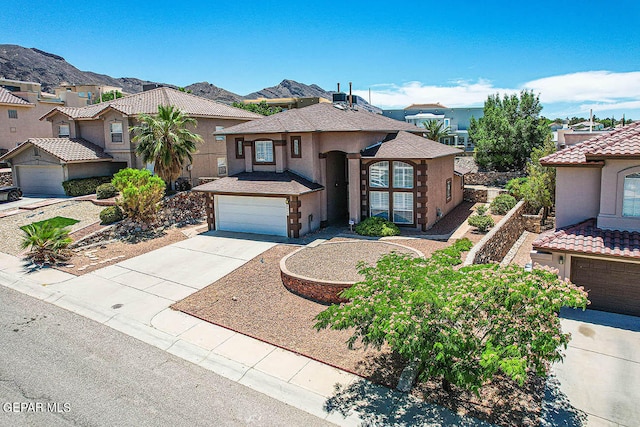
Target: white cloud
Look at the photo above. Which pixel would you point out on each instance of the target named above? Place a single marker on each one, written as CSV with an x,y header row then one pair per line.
x,y
579,92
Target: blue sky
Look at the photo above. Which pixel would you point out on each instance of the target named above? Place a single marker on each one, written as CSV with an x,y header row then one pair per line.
x,y
576,55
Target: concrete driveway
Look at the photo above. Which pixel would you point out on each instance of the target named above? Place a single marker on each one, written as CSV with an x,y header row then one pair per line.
x,y
598,383
24,201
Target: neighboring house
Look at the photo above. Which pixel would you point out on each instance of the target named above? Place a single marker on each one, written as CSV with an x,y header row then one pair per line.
x,y
328,163
107,126
587,125
597,240
288,103
21,106
456,119
89,93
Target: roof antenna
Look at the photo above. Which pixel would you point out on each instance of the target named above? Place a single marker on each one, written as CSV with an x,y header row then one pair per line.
x,y
350,96
338,87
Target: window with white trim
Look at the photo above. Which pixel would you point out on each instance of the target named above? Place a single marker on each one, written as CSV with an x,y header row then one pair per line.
x,y
402,175
403,207
379,175
264,151
115,128
379,204
222,166
63,131
631,196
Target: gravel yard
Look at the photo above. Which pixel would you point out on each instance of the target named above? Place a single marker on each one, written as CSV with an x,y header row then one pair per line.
x,y
10,234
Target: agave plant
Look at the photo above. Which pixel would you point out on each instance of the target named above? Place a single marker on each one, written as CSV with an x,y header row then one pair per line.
x,y
47,243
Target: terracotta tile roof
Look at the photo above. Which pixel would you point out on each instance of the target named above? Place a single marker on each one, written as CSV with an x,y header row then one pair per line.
x,y
323,117
405,145
587,238
285,184
7,97
148,102
66,149
623,142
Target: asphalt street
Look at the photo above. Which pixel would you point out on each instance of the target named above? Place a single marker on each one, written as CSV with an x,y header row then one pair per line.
x,y
61,369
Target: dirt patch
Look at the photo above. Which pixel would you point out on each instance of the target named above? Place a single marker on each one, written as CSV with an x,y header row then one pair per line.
x,y
253,301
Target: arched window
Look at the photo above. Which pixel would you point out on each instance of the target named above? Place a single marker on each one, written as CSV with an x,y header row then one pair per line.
x,y
631,196
379,175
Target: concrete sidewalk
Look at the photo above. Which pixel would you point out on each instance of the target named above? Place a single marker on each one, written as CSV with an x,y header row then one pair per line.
x,y
133,297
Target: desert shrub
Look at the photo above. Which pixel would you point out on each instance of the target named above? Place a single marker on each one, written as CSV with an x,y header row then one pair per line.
x,y
46,242
140,193
110,215
106,191
376,226
482,210
481,222
502,204
516,187
84,186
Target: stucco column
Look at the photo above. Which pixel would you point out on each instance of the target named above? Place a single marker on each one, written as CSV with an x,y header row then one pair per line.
x,y
323,182
355,198
280,155
248,156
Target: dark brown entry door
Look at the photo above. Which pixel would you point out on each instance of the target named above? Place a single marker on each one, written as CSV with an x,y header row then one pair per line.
x,y
613,286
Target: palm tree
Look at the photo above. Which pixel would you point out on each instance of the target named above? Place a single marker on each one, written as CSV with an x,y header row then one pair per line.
x,y
165,141
434,130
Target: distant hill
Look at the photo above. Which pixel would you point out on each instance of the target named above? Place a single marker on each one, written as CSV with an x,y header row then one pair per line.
x,y
50,70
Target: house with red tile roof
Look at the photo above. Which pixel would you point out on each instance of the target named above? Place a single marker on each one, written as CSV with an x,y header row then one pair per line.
x,y
41,165
597,240
328,163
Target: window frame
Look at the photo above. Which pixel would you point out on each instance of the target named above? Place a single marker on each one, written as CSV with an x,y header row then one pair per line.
x,y
296,141
224,165
68,134
388,174
636,197
13,114
412,209
255,152
389,167
239,148
388,205
449,189
112,133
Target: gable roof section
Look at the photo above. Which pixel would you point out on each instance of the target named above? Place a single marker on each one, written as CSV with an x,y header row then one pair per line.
x,y
623,142
587,238
323,117
7,98
148,102
69,150
271,183
405,145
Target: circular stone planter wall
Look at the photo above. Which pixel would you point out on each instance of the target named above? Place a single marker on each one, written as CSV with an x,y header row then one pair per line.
x,y
335,265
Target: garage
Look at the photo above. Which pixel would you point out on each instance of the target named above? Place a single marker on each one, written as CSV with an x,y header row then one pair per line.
x,y
40,179
613,286
248,214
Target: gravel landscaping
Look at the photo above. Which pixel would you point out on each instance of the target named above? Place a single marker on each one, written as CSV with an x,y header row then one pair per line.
x,y
10,234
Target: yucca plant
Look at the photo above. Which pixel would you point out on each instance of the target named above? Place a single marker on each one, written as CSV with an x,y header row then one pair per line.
x,y
47,243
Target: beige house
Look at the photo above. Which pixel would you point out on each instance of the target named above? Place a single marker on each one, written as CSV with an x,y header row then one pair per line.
x,y
597,240
106,128
328,163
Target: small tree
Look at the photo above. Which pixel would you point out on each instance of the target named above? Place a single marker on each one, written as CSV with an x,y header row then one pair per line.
x,y
260,108
110,96
140,193
47,243
462,325
539,190
434,130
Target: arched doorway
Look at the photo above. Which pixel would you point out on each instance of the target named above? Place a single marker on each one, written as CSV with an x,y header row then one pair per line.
x,y
337,188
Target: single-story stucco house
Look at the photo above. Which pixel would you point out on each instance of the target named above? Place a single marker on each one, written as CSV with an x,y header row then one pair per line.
x,y
330,163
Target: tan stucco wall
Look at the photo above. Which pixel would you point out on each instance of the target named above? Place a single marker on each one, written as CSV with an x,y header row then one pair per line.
x,y
311,204
577,194
438,171
611,197
27,125
92,131
87,170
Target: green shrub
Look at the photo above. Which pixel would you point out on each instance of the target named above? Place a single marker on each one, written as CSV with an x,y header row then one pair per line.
x,y
106,191
110,215
516,187
47,243
56,222
140,193
482,210
84,186
481,222
376,226
502,204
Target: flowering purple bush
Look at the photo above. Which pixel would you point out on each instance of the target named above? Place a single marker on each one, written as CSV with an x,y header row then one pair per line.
x,y
462,325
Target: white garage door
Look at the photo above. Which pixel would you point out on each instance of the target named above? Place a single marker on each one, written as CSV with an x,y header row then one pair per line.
x,y
261,215
40,179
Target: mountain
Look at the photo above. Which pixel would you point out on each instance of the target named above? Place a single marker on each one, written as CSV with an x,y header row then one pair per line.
x,y
50,70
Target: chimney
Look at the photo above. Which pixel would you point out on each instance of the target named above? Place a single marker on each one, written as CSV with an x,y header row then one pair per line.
x,y
338,87
350,96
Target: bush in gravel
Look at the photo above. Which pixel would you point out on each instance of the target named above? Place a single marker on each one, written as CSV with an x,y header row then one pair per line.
x,y
502,204
106,191
84,186
46,242
481,222
110,215
482,210
140,193
378,227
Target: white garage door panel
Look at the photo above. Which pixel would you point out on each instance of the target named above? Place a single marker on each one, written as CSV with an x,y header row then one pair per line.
x,y
261,215
40,179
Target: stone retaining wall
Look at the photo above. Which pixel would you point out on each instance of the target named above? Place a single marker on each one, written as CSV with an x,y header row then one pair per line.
x,y
491,178
6,179
326,293
494,246
476,195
